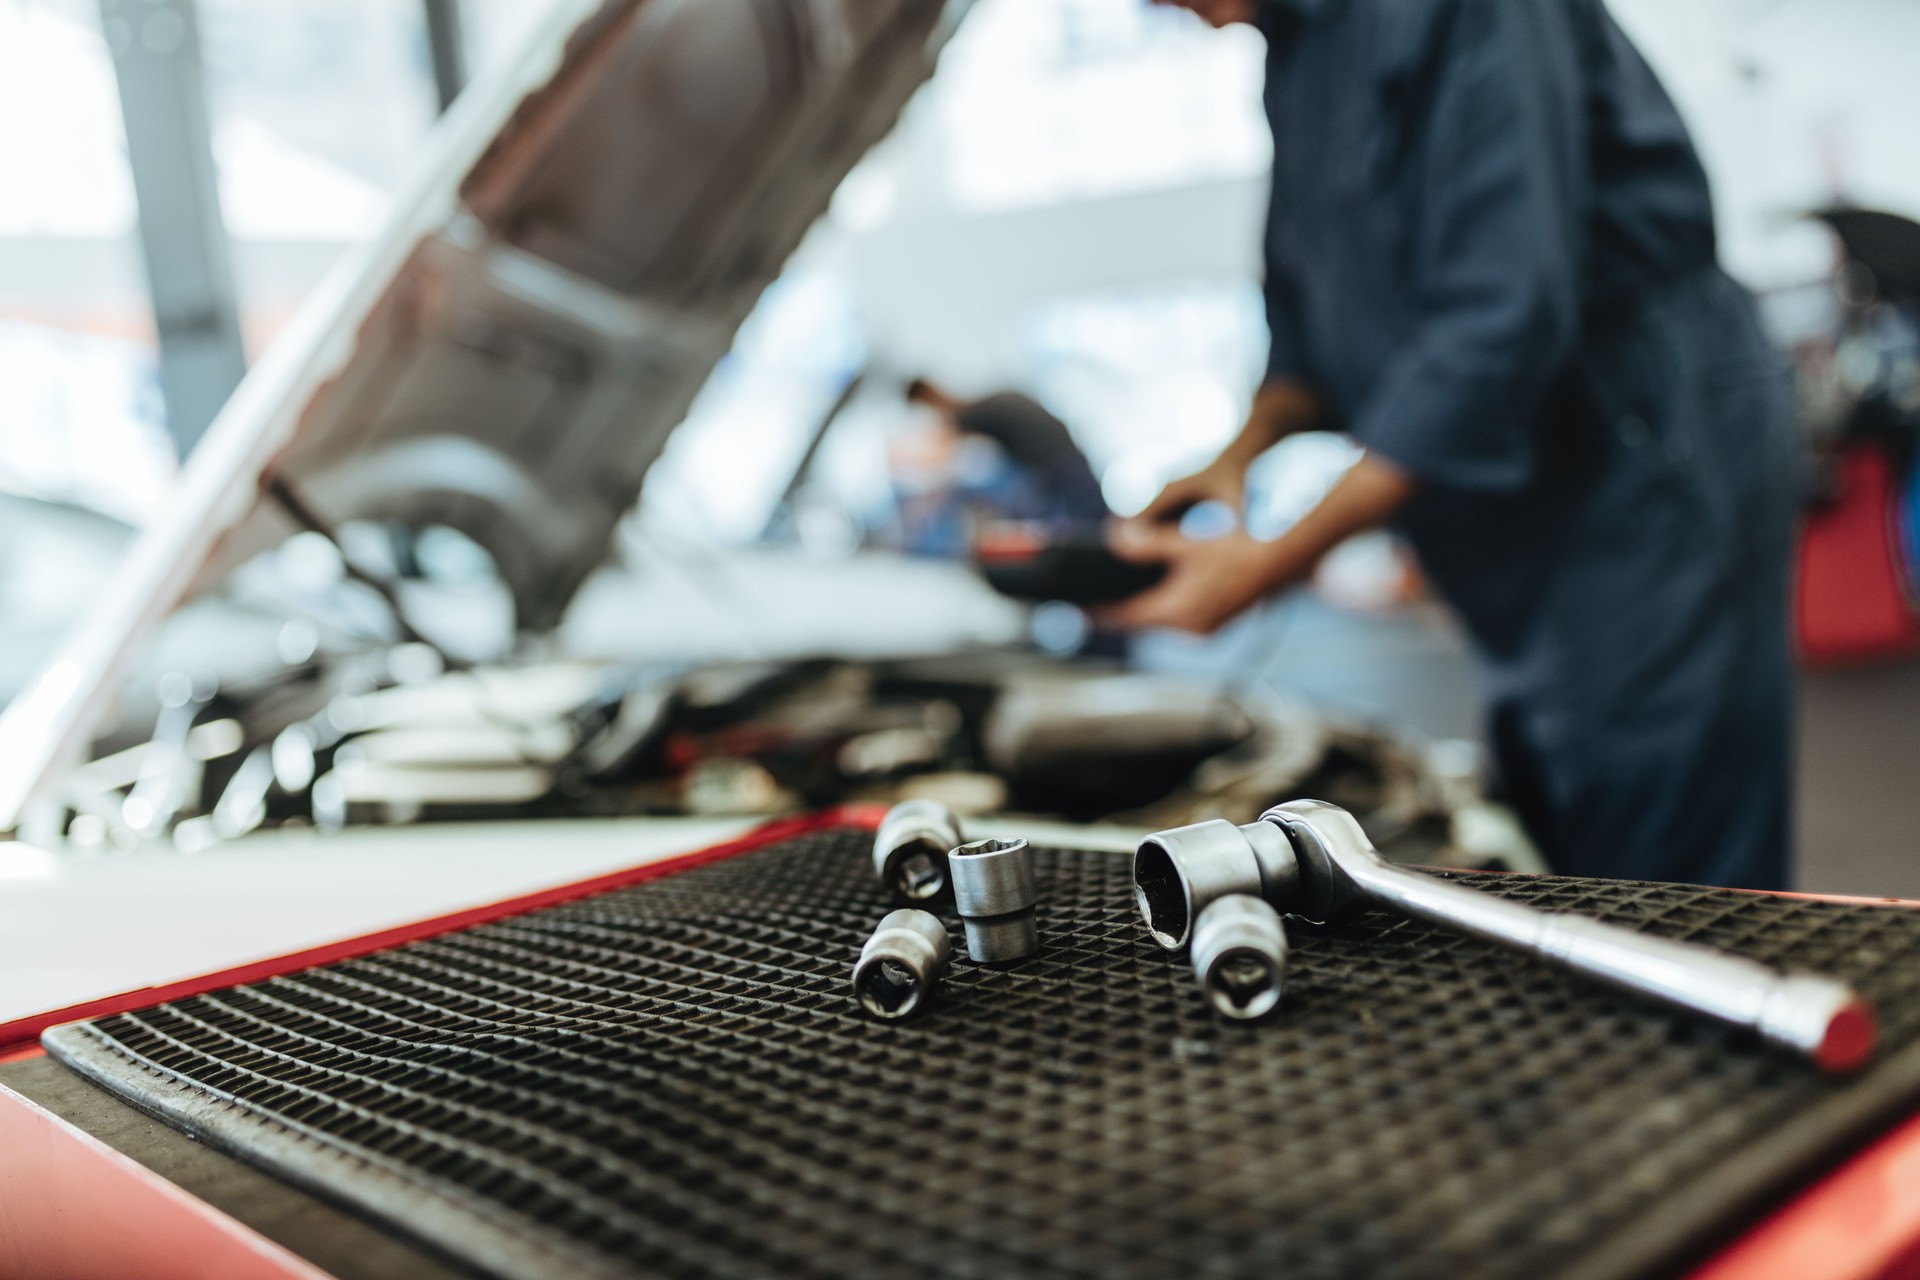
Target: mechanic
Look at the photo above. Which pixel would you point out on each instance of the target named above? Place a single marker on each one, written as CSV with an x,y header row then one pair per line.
x,y
1491,261
1001,457
1035,442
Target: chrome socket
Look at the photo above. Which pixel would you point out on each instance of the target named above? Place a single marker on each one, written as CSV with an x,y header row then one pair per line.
x,y
902,964
910,850
1240,956
1178,874
994,894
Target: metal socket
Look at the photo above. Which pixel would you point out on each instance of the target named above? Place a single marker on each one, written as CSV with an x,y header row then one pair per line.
x,y
910,849
1177,874
1240,956
994,894
902,964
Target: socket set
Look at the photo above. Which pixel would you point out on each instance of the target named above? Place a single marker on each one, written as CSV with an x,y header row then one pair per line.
x,y
670,1078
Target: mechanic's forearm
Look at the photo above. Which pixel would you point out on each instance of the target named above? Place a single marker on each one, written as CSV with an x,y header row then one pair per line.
x,y
1366,497
1280,408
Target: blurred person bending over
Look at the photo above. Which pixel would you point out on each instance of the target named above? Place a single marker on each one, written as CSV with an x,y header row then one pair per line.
x,y
1035,442
1491,261
1002,457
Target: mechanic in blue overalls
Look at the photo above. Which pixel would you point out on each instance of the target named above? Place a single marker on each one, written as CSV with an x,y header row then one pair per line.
x,y
1491,261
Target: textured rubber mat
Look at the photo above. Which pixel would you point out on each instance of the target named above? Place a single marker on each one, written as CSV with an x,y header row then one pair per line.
x,y
674,1079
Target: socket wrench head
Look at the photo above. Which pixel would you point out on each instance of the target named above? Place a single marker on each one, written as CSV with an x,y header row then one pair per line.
x,y
1240,956
994,894
910,849
901,964
1335,857
1177,874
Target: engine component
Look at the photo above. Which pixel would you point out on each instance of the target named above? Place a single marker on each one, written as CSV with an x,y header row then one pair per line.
x,y
1322,867
910,849
994,894
902,964
1240,956
1083,746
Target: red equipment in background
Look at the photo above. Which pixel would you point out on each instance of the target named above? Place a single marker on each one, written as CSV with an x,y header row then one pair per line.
x,y
1853,601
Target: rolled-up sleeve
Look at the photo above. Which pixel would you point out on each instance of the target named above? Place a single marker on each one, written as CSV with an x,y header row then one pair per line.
x,y
1494,262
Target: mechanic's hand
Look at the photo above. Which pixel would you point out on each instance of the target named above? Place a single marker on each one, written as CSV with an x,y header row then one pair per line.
x,y
1217,13
1208,583
1222,480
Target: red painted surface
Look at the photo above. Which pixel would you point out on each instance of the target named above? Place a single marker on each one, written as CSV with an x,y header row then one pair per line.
x,y
72,1208
1851,594
1844,899
26,1031
1860,1223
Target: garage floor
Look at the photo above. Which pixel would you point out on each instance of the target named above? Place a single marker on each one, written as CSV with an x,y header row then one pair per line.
x,y
1860,781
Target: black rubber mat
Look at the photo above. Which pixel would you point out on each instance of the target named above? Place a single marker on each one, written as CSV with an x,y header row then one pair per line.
x,y
674,1079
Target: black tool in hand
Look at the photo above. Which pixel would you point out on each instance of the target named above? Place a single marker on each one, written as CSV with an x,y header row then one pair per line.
x,y
1074,565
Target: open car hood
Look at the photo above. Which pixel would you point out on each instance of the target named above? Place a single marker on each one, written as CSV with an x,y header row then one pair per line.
x,y
511,353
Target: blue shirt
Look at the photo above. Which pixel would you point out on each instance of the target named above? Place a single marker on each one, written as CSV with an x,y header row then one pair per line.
x,y
1458,185
1491,255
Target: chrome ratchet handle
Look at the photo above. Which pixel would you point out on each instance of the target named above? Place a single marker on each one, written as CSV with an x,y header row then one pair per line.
x,y
1818,1017
1822,1018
